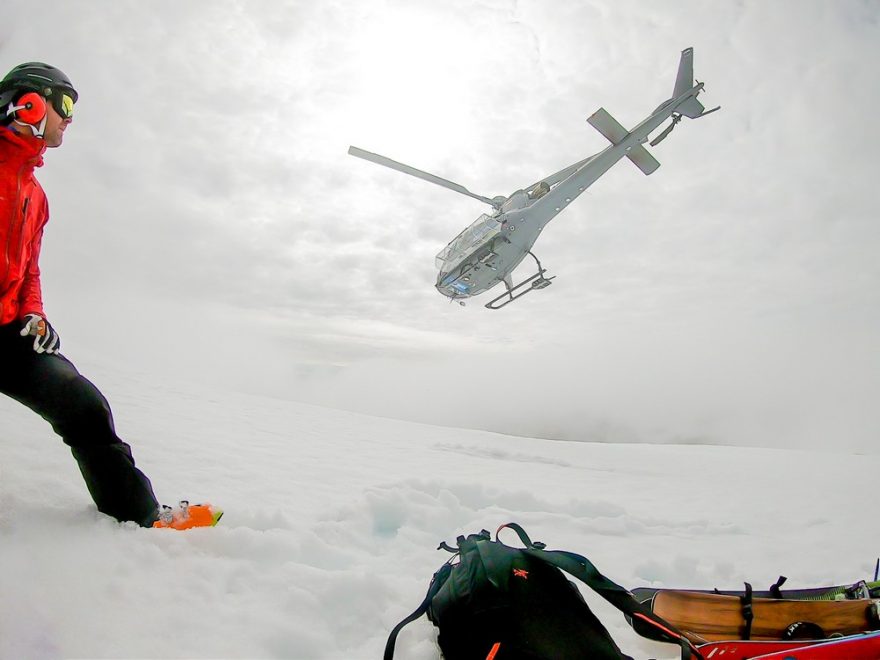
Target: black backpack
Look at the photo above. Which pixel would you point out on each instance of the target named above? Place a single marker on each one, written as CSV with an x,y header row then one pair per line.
x,y
502,603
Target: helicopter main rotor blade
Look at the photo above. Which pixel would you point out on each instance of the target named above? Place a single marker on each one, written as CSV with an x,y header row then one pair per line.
x,y
406,169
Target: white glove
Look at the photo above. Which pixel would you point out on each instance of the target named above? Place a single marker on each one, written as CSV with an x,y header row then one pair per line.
x,y
46,339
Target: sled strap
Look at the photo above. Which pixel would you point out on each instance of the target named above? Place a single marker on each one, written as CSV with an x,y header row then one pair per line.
x,y
581,568
775,591
439,579
748,614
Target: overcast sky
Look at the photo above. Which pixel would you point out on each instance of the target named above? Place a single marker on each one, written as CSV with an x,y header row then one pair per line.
x,y
207,222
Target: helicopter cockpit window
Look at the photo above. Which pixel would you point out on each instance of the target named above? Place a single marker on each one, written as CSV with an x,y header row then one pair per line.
x,y
539,190
483,230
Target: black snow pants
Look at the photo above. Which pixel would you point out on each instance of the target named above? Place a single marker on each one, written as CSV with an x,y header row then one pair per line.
x,y
52,387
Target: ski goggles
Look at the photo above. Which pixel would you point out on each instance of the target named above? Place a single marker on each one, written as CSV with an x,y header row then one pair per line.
x,y
63,102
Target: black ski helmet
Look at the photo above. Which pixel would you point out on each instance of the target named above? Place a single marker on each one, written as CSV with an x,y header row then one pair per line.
x,y
44,79
37,77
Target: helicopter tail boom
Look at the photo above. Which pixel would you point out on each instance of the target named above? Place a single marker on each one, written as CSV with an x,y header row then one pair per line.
x,y
608,126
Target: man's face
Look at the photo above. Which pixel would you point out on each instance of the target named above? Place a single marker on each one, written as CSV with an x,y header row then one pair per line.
x,y
55,127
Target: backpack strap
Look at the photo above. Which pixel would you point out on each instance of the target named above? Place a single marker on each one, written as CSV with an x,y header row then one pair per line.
x,y
581,568
438,580
526,541
584,570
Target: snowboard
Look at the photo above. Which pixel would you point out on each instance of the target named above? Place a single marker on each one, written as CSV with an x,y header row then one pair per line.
x,y
746,650
859,647
856,647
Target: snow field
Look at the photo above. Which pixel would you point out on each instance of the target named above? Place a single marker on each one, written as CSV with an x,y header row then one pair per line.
x,y
332,520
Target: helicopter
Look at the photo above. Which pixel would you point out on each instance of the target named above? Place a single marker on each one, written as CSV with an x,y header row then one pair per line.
x,y
486,253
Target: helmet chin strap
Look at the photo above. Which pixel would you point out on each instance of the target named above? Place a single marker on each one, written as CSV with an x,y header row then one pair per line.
x,y
36,130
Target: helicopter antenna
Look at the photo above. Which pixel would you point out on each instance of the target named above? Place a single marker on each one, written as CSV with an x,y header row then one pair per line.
x,y
412,171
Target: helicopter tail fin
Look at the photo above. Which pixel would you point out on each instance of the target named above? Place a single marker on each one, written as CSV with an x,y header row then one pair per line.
x,y
684,83
608,126
684,79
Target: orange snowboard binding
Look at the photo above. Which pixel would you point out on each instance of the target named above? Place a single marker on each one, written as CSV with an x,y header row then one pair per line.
x,y
187,516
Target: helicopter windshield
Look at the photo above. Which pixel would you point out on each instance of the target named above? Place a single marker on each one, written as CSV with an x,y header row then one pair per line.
x,y
483,230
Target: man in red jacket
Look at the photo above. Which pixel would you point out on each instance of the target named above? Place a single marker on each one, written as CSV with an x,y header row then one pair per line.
x,y
36,107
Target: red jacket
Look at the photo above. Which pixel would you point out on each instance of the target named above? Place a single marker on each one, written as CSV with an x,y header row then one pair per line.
x,y
23,214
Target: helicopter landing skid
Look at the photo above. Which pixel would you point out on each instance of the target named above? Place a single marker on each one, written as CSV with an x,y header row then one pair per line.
x,y
538,281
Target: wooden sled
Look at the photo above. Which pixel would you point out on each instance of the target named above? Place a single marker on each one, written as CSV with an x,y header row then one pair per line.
x,y
714,617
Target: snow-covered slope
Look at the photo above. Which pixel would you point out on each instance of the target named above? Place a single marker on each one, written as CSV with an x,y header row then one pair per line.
x,y
332,520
